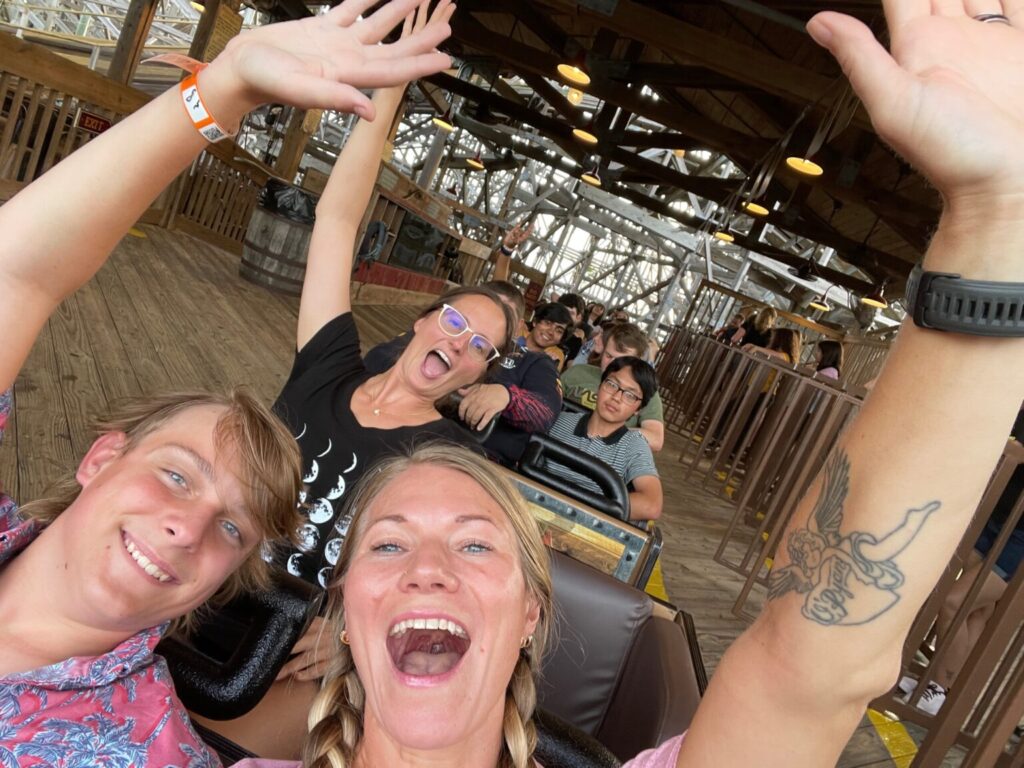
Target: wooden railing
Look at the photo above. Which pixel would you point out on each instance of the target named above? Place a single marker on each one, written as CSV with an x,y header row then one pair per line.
x,y
985,701
216,197
714,304
46,105
757,432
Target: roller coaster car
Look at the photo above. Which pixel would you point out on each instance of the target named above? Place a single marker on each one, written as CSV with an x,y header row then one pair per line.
x,y
587,526
622,674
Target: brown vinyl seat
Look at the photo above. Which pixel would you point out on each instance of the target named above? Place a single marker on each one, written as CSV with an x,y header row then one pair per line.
x,y
621,667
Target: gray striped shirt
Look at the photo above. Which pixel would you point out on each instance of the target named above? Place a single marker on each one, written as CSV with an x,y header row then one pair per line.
x,y
625,450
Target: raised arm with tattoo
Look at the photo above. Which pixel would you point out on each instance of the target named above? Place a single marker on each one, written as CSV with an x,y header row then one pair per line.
x,y
867,545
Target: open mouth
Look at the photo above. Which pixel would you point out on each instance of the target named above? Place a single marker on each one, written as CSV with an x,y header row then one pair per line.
x,y
148,566
427,647
436,364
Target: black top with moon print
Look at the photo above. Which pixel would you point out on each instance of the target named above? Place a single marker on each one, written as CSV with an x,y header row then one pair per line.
x,y
336,449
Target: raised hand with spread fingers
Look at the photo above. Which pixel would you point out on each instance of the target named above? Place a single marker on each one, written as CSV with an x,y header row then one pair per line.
x,y
99,191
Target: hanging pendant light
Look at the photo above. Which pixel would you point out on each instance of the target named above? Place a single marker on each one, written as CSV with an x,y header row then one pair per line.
x,y
755,209
876,298
821,302
725,236
592,176
476,162
804,166
584,135
584,130
574,69
445,122
574,96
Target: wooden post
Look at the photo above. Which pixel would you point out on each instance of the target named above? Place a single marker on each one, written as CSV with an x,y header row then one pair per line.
x,y
218,24
302,125
132,40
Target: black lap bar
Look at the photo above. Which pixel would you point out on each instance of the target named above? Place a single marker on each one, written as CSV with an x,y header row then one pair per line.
x,y
542,448
225,667
561,745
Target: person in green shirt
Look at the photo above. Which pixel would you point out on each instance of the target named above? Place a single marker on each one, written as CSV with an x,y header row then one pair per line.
x,y
581,382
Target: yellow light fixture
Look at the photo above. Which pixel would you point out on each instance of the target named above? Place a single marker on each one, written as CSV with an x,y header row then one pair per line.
x,y
821,302
582,134
876,298
475,162
574,73
755,209
574,96
805,166
444,122
680,153
592,177
198,5
725,237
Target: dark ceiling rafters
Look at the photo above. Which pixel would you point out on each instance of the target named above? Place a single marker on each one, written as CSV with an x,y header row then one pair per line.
x,y
914,219
724,70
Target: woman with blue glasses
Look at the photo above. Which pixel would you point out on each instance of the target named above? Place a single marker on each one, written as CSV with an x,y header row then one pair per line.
x,y
344,417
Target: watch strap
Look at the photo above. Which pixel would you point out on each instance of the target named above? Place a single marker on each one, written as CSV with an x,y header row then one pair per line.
x,y
945,301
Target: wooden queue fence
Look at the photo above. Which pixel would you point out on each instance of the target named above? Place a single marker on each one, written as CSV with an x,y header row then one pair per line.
x,y
757,432
985,701
49,107
713,305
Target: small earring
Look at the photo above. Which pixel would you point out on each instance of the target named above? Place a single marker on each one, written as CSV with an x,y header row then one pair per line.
x,y
526,642
344,636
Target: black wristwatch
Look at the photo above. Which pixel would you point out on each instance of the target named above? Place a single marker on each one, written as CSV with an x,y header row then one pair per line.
x,y
946,302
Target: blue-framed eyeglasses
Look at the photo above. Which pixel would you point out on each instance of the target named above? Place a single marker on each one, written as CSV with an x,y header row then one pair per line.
x,y
453,323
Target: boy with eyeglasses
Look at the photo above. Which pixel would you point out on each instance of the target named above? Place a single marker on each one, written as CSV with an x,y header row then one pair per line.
x,y
627,385
581,381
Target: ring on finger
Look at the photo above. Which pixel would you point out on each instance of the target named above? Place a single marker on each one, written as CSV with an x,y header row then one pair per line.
x,y
992,18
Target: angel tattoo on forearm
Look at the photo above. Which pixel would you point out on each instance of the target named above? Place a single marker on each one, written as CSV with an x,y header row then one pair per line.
x,y
848,578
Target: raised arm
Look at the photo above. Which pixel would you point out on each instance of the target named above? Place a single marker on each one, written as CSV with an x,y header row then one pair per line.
x,y
869,542
60,229
327,288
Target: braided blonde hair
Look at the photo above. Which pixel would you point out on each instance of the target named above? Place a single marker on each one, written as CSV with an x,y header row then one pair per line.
x,y
336,716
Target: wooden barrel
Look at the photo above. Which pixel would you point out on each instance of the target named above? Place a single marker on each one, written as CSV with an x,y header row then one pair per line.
x,y
274,252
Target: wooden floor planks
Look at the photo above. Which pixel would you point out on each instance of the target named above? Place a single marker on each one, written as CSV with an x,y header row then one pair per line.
x,y
169,312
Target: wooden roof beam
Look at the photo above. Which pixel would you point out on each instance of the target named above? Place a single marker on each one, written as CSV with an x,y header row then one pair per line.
x,y
717,52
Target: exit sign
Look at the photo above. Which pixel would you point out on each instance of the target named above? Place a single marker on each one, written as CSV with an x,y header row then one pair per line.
x,y
87,121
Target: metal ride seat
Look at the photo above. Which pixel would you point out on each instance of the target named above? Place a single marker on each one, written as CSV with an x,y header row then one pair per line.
x,y
534,464
591,527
